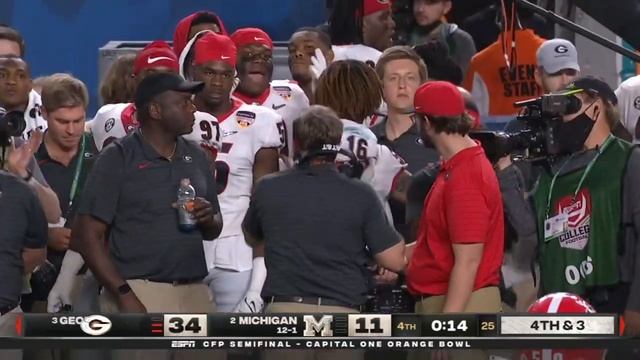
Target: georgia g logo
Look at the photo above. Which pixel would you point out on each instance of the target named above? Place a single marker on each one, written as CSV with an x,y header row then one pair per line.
x,y
561,49
95,325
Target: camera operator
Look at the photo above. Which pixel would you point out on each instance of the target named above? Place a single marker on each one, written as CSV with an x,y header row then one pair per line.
x,y
587,210
17,153
557,66
23,240
17,94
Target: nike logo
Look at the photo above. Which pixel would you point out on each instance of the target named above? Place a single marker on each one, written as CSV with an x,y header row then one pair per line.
x,y
258,38
225,57
276,107
143,165
151,60
228,133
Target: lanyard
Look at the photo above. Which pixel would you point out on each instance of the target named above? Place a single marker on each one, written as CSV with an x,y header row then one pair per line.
x,y
76,175
582,178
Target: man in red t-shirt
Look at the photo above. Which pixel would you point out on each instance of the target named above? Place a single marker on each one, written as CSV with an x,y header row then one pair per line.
x,y
455,266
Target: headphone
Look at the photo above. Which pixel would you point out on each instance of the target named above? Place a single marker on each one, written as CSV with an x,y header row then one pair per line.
x,y
352,168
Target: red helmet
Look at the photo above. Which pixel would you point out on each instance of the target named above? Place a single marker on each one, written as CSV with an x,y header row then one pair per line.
x,y
561,303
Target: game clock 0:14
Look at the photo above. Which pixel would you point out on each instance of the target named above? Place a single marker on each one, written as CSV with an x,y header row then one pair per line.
x,y
449,326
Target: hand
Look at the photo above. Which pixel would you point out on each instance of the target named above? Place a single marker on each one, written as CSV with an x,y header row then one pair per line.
x,y
385,277
251,303
59,238
19,158
203,212
504,163
60,293
631,323
130,303
318,64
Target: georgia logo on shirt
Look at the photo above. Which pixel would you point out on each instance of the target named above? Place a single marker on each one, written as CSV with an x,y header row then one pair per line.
x,y
108,125
579,213
35,111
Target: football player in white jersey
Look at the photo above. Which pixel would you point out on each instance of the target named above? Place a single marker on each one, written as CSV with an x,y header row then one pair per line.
x,y
353,90
255,69
628,94
250,149
361,37
114,121
16,93
309,53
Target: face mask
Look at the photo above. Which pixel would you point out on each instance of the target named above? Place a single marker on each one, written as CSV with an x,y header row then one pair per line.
x,y
571,135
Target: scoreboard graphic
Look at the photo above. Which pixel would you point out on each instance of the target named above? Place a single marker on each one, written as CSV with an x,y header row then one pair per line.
x,y
317,331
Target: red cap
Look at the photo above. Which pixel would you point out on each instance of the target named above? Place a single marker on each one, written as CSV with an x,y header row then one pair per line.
x,y
373,6
214,47
181,35
156,54
439,98
250,36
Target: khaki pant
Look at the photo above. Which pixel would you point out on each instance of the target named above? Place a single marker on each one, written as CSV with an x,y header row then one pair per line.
x,y
485,300
165,298
8,329
310,354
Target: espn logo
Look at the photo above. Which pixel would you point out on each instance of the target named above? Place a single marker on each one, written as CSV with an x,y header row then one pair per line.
x,y
182,344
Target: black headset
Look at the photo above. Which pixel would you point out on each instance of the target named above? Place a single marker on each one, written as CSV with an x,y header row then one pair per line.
x,y
352,168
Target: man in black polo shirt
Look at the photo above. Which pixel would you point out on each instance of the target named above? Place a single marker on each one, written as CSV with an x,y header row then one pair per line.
x,y
151,265
23,240
402,71
65,158
317,241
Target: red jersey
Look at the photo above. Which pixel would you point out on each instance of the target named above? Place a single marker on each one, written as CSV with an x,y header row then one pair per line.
x,y
464,206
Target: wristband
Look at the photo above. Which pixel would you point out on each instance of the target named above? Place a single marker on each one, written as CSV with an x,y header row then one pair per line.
x,y
59,224
124,289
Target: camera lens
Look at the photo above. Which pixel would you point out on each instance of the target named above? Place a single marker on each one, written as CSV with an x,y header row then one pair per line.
x,y
12,123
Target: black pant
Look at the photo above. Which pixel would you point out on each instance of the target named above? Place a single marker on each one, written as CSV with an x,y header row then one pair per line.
x,y
612,300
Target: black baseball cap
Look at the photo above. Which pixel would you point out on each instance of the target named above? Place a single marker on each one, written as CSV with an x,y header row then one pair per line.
x,y
595,85
155,84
